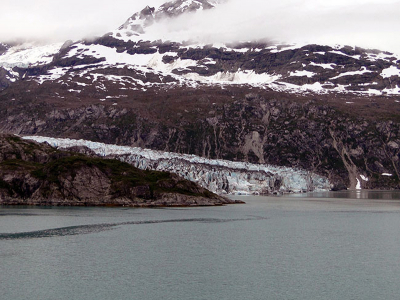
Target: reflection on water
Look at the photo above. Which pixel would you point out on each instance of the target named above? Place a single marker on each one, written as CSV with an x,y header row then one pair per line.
x,y
341,245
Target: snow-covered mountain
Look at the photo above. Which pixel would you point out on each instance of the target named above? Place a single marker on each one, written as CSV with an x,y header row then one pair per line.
x,y
331,110
137,23
143,53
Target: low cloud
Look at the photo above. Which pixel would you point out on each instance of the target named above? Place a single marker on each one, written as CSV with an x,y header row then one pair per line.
x,y
369,24
365,23
59,20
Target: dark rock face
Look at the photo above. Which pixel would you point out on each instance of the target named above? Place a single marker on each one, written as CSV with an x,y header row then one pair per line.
x,y
4,81
254,127
37,174
3,48
146,15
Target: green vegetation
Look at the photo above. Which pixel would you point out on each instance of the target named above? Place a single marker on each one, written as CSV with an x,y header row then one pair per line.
x,y
123,176
57,172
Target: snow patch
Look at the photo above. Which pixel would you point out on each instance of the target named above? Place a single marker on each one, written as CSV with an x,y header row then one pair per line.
x,y
302,73
239,77
358,186
352,73
392,91
389,72
344,54
54,74
276,49
381,56
74,91
315,87
325,66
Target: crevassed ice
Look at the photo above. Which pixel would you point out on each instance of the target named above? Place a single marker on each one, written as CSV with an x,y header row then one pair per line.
x,y
29,54
220,176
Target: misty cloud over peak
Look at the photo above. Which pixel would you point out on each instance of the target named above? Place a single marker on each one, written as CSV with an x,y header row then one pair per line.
x,y
368,24
365,23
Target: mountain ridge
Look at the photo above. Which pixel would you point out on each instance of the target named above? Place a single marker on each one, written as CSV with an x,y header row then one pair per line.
x,y
329,109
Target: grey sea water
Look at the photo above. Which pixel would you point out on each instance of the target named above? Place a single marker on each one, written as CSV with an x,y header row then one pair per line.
x,y
319,246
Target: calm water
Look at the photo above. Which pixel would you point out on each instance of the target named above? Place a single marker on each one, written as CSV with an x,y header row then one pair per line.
x,y
324,246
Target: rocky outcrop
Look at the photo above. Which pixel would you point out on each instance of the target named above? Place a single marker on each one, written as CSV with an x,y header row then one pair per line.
x,y
36,174
4,79
3,48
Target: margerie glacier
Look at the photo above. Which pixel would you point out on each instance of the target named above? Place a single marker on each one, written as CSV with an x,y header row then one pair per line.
x,y
218,176
331,110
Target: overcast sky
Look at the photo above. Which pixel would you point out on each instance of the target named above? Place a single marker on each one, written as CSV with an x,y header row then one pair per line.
x,y
367,23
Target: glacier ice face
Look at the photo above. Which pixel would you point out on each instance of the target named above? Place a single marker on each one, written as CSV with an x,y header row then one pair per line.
x,y
219,176
28,54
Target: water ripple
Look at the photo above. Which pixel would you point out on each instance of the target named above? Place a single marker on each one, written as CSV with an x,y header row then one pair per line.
x,y
86,229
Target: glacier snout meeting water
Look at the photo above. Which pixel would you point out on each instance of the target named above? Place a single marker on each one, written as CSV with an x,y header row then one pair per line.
x,y
219,176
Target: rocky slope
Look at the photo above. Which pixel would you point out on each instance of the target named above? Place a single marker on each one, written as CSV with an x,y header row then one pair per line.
x,y
257,127
331,110
38,174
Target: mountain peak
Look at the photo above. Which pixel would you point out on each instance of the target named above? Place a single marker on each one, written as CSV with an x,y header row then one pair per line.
x,y
138,21
178,7
146,17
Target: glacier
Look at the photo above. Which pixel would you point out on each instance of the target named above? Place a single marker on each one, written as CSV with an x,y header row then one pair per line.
x,y
216,175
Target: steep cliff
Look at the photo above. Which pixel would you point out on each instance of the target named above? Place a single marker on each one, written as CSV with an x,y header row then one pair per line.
x,y
347,139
